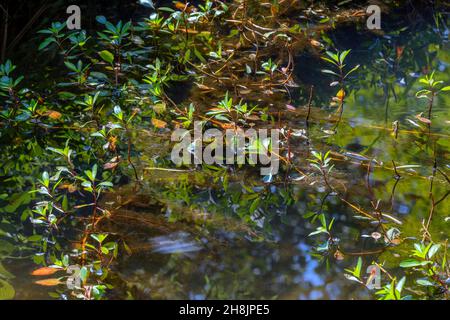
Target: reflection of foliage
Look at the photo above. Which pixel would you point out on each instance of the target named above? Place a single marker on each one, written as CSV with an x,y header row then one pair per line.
x,y
6,289
430,280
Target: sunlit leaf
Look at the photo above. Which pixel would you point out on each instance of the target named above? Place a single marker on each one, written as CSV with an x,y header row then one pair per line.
x,y
409,263
422,119
48,282
53,114
432,251
110,165
338,255
160,124
315,43
424,282
45,271
5,274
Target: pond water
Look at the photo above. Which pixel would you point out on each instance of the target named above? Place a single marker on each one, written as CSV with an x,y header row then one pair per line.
x,y
194,234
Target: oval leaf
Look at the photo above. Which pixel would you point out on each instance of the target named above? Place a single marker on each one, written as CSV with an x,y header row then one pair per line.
x,y
55,115
7,291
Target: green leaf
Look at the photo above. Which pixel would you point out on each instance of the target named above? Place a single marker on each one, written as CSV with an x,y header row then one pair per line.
x,y
45,179
333,56
107,56
45,31
98,291
323,221
6,247
352,278
319,230
309,215
400,284
106,184
110,27
118,112
447,88
422,93
87,184
199,55
420,250
35,238
94,172
148,4
166,9
331,224
89,174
